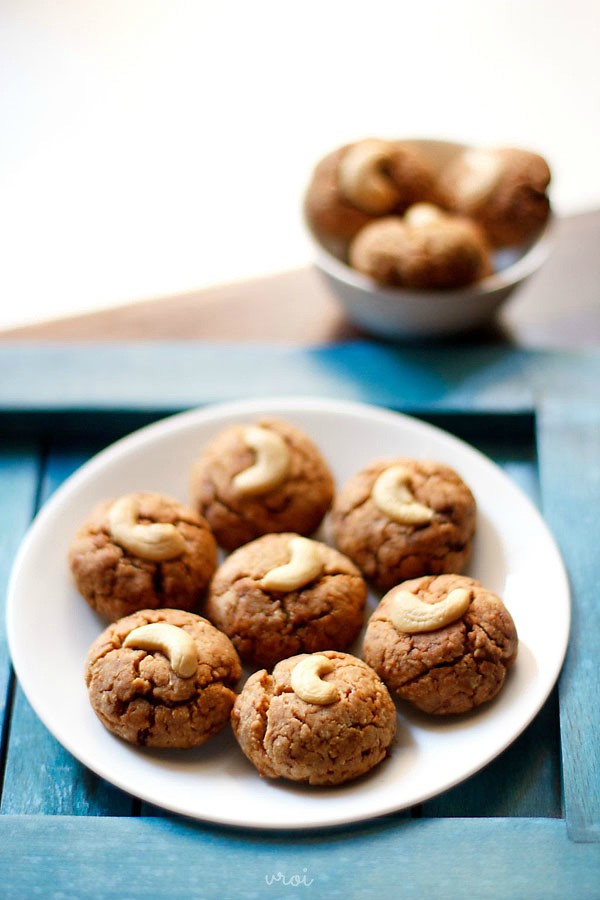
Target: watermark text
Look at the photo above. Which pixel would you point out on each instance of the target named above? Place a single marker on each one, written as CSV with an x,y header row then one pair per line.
x,y
291,881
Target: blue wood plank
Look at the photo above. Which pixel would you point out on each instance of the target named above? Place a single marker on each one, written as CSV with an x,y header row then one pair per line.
x,y
569,459
525,779
63,460
522,781
515,454
19,479
123,376
40,775
459,859
465,379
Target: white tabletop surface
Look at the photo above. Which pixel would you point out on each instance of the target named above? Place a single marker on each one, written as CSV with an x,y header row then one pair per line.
x,y
155,146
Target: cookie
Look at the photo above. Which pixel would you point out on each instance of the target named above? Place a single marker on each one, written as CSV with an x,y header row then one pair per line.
x,y
460,663
162,678
400,518
425,249
142,551
324,718
283,594
254,479
504,189
361,181
332,219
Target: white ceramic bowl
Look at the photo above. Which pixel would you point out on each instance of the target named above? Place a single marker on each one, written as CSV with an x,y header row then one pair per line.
x,y
401,313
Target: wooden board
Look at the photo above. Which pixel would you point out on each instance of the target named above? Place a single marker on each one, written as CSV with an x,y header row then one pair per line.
x,y
527,825
112,859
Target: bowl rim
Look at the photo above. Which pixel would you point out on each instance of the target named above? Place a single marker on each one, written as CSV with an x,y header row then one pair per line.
x,y
533,257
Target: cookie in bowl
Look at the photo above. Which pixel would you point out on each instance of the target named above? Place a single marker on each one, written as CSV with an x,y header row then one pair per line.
x,y
284,594
359,182
444,643
427,248
257,478
321,719
162,678
401,518
142,551
504,189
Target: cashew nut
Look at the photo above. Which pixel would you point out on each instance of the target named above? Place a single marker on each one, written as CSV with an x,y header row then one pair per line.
x,y
363,178
412,615
305,565
158,541
175,643
478,173
422,215
392,496
308,684
271,465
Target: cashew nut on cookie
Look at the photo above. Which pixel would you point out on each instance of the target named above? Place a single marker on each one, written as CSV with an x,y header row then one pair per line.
x,y
173,642
304,566
271,465
363,178
308,684
422,215
393,497
157,541
479,173
411,615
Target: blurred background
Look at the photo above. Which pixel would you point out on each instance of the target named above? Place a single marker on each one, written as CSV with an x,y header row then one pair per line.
x,y
151,148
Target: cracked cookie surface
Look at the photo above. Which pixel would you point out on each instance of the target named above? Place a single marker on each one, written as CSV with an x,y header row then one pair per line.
x,y
116,582
286,737
388,552
298,504
451,670
137,695
268,625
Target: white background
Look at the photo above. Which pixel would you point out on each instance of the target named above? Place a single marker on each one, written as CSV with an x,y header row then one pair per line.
x,y
154,147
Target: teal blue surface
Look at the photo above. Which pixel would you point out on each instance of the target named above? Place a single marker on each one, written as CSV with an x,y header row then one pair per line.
x,y
163,376
454,859
19,480
40,776
528,825
569,460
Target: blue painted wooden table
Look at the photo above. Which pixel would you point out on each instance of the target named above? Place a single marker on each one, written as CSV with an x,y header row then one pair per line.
x,y
528,825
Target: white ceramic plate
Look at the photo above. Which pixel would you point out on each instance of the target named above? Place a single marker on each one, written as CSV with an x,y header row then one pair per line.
x,y
50,627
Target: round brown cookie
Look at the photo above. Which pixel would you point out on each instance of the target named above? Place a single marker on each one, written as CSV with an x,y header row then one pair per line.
x,y
296,502
503,189
451,669
388,551
110,564
139,695
319,606
332,219
286,736
427,249
335,216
